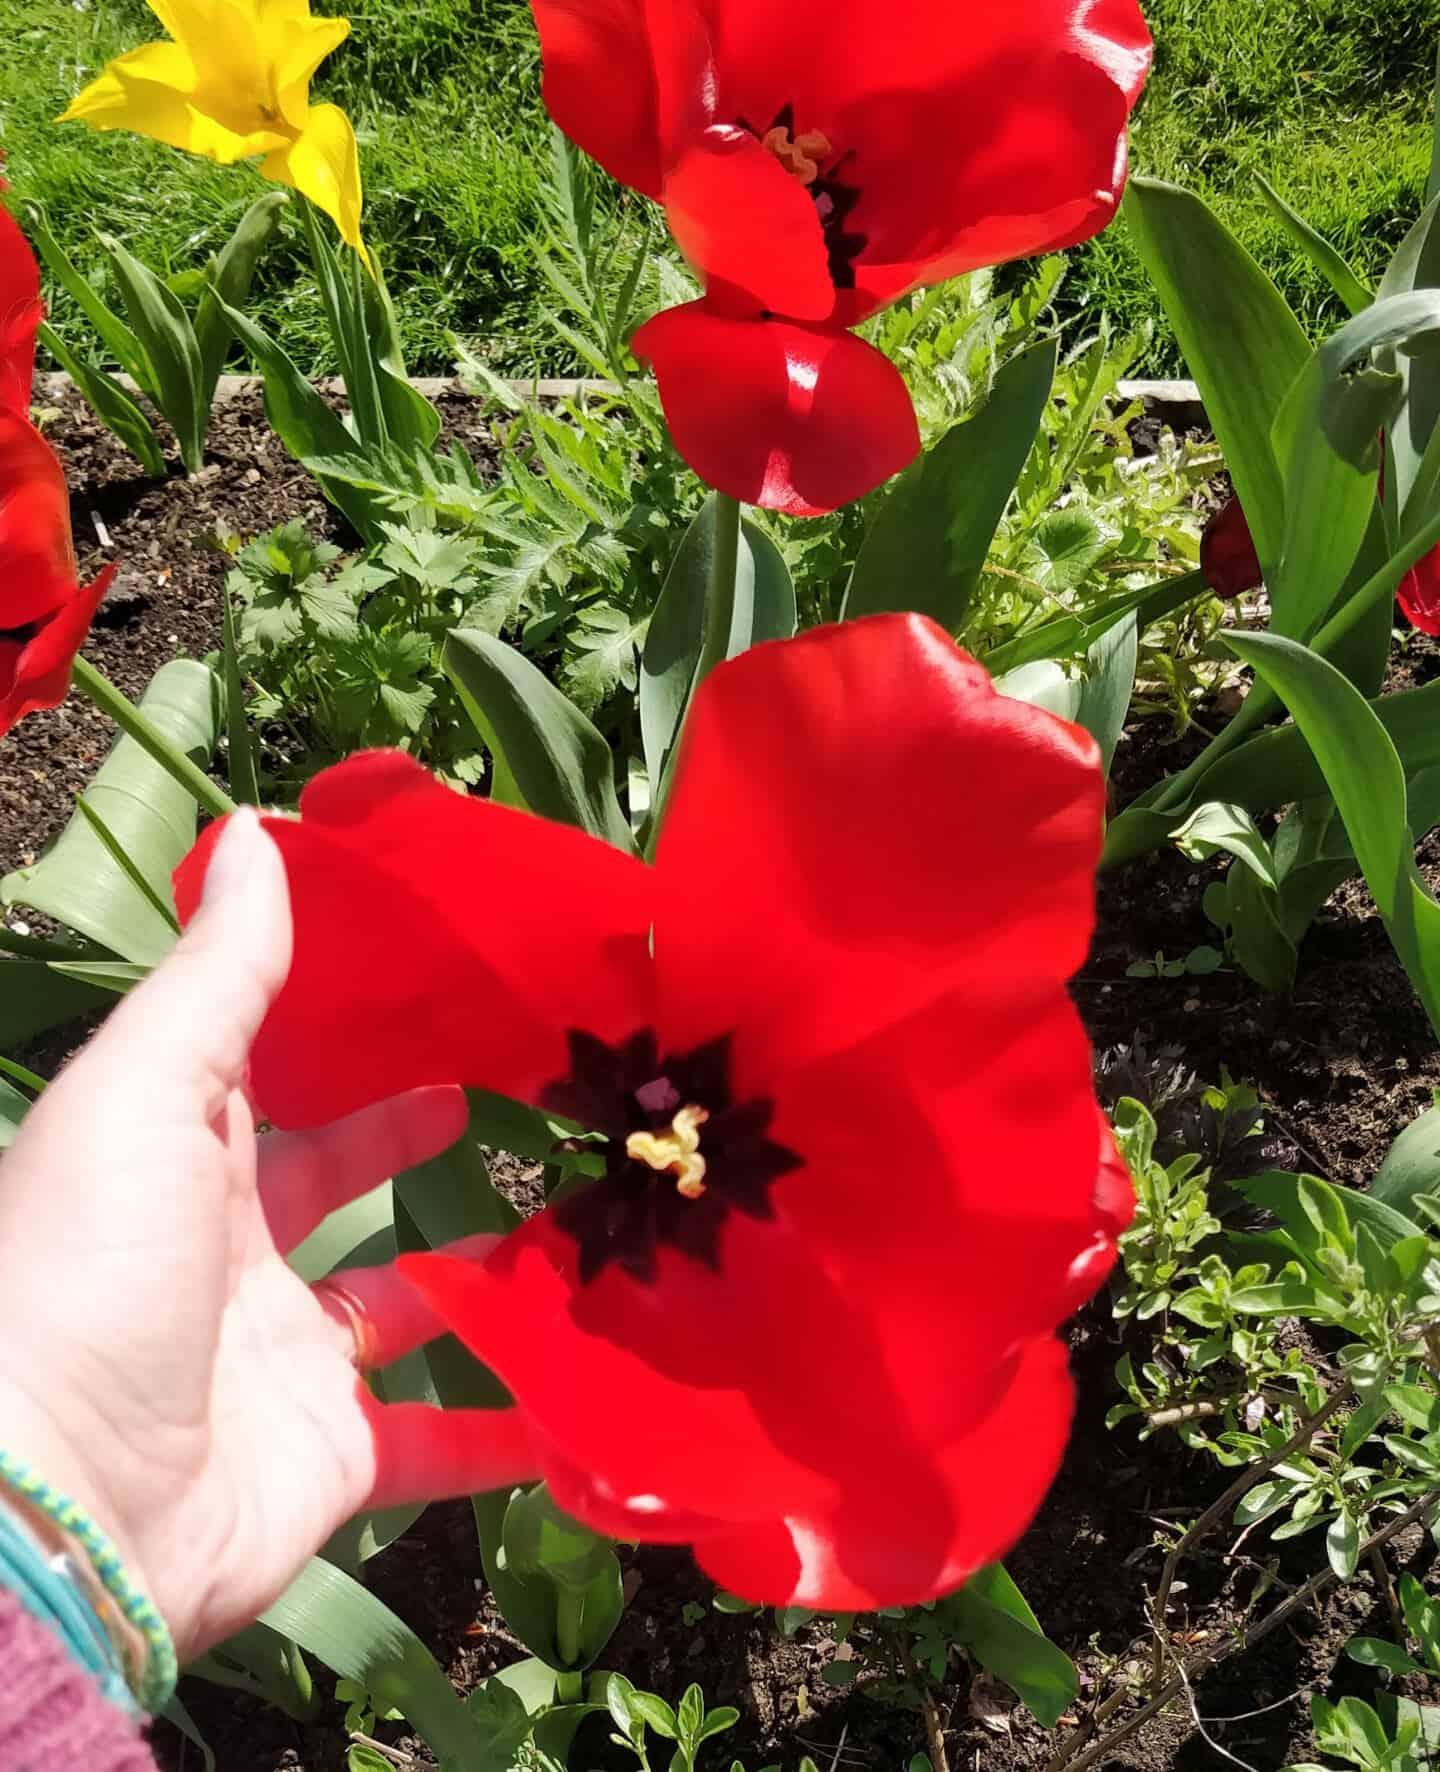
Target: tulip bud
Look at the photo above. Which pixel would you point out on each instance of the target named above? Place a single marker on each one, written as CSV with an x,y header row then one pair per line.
x,y
1228,561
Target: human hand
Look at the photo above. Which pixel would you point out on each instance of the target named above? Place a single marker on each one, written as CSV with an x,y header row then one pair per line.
x,y
158,1360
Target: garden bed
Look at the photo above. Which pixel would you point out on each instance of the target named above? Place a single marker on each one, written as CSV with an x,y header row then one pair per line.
x,y
1341,1067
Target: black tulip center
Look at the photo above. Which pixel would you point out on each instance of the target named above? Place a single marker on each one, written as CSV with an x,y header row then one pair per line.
x,y
681,1154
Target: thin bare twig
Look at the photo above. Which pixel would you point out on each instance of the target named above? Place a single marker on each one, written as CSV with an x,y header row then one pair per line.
x,y
1272,1118
1222,1506
1387,1587
1244,1716
934,1729
396,1755
1205,1734
1195,1411
1069,1758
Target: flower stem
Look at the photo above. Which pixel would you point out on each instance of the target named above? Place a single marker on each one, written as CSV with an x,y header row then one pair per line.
x,y
720,592
98,688
569,1609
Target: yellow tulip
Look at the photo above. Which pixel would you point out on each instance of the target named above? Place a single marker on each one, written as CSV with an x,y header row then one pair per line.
x,y
234,82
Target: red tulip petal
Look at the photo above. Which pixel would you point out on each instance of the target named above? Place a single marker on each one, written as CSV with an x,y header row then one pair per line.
x,y
745,1447
35,673
862,802
853,1559
1420,594
1114,1187
943,1106
599,84
743,221
423,1453
683,57
596,1367
967,146
1114,1207
800,419
438,939
20,315
37,561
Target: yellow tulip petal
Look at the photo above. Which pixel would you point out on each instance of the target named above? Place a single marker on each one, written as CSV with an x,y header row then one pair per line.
x,y
105,102
295,64
295,44
324,165
150,92
165,12
235,80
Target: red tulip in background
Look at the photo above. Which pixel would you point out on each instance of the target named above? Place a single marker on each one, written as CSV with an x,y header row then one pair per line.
x,y
1228,561
1231,566
817,163
44,614
1419,594
856,1174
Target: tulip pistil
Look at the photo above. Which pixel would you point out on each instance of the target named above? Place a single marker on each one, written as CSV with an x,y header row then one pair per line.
x,y
809,157
801,155
676,1152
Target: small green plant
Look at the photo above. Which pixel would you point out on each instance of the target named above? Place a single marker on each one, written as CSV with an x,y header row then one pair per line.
x,y
172,354
341,654
1352,1731
1421,1616
362,1712
1198,963
689,1725
1216,1370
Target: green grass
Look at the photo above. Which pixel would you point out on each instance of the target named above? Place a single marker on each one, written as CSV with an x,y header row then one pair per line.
x,y
1329,98
444,95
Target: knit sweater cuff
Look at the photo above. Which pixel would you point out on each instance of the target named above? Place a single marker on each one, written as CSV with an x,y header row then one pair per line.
x,y
52,1713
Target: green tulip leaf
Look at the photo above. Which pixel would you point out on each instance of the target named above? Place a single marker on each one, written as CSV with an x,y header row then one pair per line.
x,y
764,610
926,549
358,1637
1241,342
146,815
997,1627
1363,770
548,757
168,339
230,275
1331,264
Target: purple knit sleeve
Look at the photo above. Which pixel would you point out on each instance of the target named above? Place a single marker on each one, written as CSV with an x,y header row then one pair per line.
x,y
53,1717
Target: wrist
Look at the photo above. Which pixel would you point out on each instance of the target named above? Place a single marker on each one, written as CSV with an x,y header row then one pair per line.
x,y
51,1577
32,1434
69,1568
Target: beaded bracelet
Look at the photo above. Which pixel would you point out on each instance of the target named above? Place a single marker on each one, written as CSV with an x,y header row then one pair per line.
x,y
153,1681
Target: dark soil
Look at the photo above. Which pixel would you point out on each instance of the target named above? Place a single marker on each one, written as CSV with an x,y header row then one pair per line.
x,y
1341,1066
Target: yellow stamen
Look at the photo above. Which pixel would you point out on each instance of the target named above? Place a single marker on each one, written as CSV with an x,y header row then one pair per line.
x,y
676,1152
801,156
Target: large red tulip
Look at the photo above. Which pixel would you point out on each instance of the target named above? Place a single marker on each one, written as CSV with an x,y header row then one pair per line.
x,y
815,165
855,1173
44,612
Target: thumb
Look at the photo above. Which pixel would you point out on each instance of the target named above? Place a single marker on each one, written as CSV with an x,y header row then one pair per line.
x,y
189,1027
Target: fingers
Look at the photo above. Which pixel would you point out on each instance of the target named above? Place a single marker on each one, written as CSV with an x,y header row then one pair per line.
x,y
379,1316
425,1454
192,1023
305,1176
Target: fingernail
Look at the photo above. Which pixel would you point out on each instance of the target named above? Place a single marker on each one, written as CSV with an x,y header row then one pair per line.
x,y
233,862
